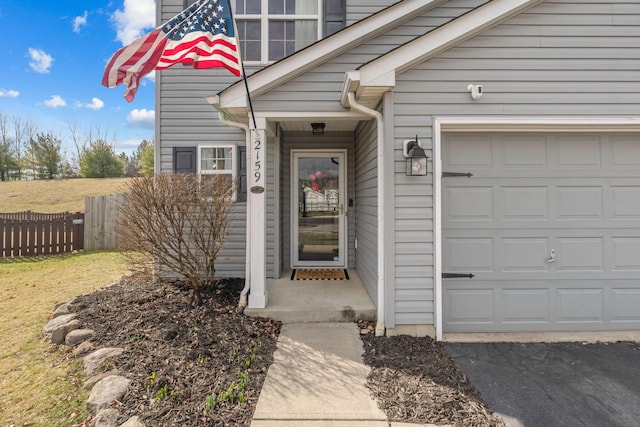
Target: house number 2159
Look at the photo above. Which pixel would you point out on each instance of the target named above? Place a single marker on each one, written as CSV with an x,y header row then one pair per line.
x,y
257,165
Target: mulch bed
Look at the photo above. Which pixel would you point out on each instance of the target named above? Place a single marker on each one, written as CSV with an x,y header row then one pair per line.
x,y
179,357
415,380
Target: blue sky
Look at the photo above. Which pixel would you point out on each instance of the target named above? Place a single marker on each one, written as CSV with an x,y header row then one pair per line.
x,y
51,62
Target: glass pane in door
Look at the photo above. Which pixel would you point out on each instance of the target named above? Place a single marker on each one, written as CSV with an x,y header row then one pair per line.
x,y
318,219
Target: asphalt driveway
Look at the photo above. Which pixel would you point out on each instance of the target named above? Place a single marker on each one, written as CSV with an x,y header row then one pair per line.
x,y
555,384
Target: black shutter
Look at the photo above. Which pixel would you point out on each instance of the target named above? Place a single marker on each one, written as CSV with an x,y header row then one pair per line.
x,y
335,16
184,159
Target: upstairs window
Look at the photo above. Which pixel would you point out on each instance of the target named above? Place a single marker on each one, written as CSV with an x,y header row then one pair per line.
x,y
269,30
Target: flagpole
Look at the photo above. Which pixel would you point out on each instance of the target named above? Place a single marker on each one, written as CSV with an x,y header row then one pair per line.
x,y
244,75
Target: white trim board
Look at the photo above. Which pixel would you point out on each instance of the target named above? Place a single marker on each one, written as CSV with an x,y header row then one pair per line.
x,y
501,124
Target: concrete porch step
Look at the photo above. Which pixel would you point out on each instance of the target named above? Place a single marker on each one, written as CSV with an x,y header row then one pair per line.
x,y
296,301
303,315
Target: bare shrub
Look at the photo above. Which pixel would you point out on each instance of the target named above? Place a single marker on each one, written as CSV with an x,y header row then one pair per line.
x,y
179,221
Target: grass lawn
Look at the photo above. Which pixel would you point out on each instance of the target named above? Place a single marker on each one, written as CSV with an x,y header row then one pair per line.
x,y
42,386
57,195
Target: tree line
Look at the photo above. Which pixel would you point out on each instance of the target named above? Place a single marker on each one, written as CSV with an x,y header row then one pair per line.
x,y
28,153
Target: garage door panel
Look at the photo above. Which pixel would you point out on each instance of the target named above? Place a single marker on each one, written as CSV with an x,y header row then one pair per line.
x,y
525,305
525,254
626,254
524,203
580,305
579,202
625,305
626,202
469,306
469,203
578,151
575,194
469,254
625,151
470,150
525,152
580,254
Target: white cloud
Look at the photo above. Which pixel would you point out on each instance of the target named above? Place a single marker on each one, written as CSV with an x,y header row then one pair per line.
x,y
96,104
9,93
40,60
55,101
79,22
137,17
142,118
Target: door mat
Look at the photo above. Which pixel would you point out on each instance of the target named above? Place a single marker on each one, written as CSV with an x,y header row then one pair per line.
x,y
319,274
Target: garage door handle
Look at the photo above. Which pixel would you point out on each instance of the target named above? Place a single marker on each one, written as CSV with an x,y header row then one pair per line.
x,y
552,256
454,174
457,276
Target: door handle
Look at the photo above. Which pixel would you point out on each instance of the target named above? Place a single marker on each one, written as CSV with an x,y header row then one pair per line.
x,y
552,256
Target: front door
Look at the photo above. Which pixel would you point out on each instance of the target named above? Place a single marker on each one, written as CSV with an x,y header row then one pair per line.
x,y
318,210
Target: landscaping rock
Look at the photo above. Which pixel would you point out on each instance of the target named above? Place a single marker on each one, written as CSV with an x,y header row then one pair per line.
x,y
74,338
59,334
57,322
106,418
83,348
97,378
95,359
61,310
133,422
106,391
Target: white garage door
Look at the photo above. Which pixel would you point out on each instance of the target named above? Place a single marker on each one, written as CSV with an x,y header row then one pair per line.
x,y
549,225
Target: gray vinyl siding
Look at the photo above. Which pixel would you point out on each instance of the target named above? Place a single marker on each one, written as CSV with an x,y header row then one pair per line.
x,y
366,205
319,89
331,140
360,9
560,58
273,270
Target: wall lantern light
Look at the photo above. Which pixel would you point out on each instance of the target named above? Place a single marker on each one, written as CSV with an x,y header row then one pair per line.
x,y
416,157
317,128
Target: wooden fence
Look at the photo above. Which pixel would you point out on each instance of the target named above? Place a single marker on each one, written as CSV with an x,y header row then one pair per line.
x,y
101,213
31,234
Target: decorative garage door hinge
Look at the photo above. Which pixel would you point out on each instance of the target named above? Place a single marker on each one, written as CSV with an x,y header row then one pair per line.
x,y
457,275
451,174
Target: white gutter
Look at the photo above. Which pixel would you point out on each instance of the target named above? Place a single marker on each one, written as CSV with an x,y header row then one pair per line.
x,y
247,280
380,328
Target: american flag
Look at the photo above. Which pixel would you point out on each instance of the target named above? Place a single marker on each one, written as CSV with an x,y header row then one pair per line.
x,y
201,36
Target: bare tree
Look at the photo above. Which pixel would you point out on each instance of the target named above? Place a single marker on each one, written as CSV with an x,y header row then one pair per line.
x,y
8,161
180,221
80,141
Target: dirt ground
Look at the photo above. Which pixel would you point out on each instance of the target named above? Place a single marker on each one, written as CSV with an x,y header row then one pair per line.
x,y
205,365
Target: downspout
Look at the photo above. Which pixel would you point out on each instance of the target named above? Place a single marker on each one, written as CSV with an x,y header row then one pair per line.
x,y
247,279
380,328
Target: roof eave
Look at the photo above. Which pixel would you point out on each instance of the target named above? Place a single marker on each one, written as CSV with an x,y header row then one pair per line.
x,y
381,72
275,74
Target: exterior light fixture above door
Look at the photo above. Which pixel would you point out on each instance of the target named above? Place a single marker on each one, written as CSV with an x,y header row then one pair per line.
x,y
416,157
317,128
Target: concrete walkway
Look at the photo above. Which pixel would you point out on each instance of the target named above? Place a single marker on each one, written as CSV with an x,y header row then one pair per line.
x,y
318,379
